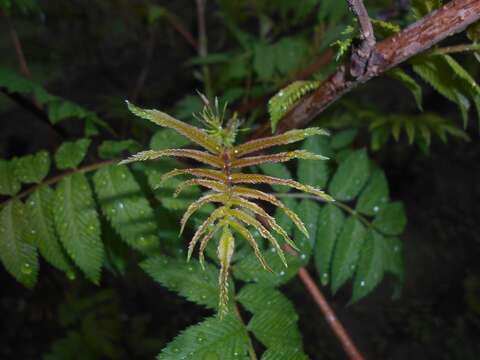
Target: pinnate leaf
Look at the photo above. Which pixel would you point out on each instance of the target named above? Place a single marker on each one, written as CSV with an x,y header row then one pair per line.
x,y
70,154
375,195
32,168
391,220
9,184
18,256
77,224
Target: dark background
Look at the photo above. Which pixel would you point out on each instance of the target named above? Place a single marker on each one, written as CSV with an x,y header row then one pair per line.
x,y
93,52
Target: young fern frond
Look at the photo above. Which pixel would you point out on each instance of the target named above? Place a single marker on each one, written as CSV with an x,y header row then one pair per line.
x,y
238,212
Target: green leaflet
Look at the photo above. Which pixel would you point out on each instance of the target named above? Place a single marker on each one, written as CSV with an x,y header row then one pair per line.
x,y
409,83
32,168
287,98
211,339
71,153
370,265
274,321
315,173
126,207
188,279
350,177
394,257
264,60
77,224
277,170
168,139
41,228
375,195
18,256
111,149
347,252
330,223
9,184
284,354
308,211
391,219
420,8
343,138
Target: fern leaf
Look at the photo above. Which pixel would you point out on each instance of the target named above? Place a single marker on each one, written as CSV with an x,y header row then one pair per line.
x,y
9,184
286,99
77,224
370,265
70,154
330,224
226,247
211,339
276,158
276,140
18,256
347,252
350,177
384,28
193,133
124,205
32,168
41,229
375,195
190,280
200,156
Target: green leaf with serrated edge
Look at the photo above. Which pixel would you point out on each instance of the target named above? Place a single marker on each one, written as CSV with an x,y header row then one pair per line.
x,y
70,154
285,99
330,223
394,262
391,219
346,252
350,177
9,184
409,82
186,278
249,268
277,170
32,168
375,195
315,173
274,320
168,139
211,339
370,265
112,149
283,353
343,138
309,211
126,208
18,256
77,224
41,229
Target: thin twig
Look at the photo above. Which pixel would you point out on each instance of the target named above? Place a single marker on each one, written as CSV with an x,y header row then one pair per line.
x,y
203,45
182,30
455,49
55,179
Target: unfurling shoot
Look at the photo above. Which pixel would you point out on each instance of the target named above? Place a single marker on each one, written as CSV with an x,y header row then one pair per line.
x,y
237,212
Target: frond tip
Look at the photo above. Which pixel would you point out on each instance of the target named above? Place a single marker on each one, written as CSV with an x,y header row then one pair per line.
x,y
238,210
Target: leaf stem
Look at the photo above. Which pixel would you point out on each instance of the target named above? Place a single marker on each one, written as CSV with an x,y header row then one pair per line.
x,y
55,179
337,203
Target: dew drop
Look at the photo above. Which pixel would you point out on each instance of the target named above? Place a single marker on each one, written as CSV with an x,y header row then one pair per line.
x,y
176,350
200,339
396,248
32,203
121,206
281,273
26,269
71,275
33,232
303,256
190,268
280,93
362,283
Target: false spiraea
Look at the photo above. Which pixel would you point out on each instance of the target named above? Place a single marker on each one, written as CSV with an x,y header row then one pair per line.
x,y
237,212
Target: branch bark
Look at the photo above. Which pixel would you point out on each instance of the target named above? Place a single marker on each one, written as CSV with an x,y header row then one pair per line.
x,y
452,18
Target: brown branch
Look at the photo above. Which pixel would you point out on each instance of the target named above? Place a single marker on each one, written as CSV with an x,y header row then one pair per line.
x,y
330,316
452,18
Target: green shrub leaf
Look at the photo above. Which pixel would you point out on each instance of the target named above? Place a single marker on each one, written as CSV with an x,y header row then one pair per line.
x,y
211,339
375,195
188,279
315,173
350,177
309,211
70,154
330,223
18,256
409,82
343,138
77,224
346,252
41,228
391,220
126,207
9,184
32,168
112,149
